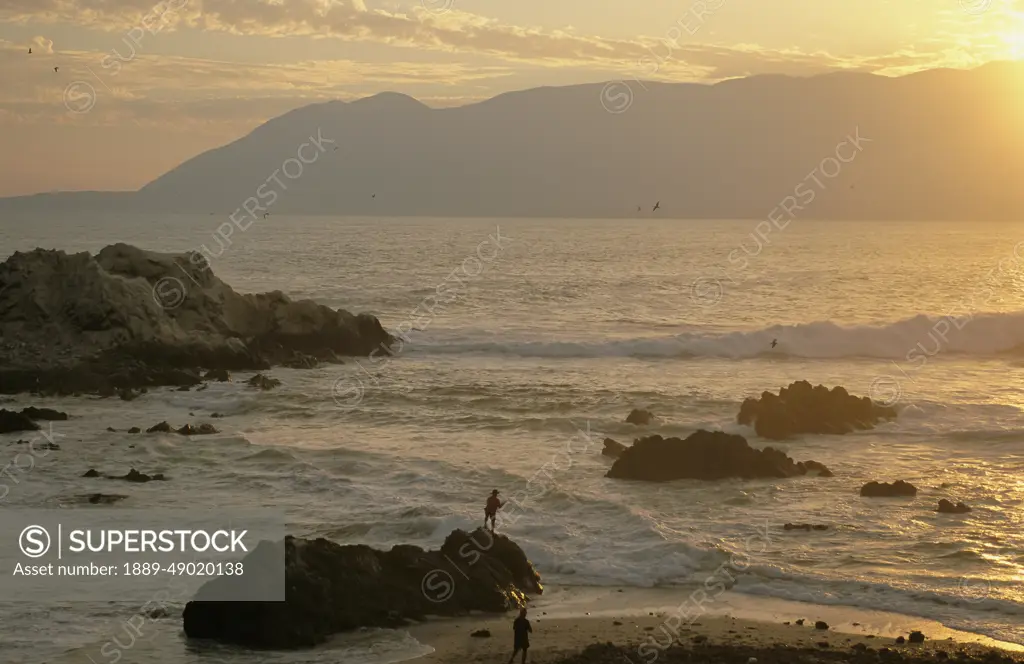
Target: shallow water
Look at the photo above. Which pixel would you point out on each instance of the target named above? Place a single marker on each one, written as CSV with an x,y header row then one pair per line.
x,y
563,329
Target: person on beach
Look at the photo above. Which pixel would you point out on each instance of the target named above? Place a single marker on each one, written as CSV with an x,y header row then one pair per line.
x,y
521,627
491,509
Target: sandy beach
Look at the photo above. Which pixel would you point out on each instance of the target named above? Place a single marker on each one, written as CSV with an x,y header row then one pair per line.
x,y
734,624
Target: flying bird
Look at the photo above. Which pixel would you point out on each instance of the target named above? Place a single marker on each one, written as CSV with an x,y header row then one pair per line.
x,y
637,208
656,206
374,196
266,214
30,51
56,68
775,342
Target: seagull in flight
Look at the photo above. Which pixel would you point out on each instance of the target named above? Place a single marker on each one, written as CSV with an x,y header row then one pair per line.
x,y
56,68
775,342
656,206
374,196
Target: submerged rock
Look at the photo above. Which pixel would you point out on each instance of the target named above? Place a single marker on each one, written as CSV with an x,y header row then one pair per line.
x,y
131,476
612,448
804,526
201,430
703,455
946,507
125,318
639,417
263,382
899,488
162,427
332,588
800,409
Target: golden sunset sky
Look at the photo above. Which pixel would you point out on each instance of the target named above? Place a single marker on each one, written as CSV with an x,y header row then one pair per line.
x,y
141,86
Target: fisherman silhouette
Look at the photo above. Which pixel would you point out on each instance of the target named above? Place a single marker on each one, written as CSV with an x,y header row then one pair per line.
x,y
491,509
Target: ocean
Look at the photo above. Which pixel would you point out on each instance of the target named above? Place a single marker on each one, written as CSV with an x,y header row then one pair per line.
x,y
526,343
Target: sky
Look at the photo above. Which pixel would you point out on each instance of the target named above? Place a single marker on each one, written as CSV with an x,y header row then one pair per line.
x,y
141,86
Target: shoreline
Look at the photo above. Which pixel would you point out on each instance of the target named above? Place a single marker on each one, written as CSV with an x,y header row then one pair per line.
x,y
635,619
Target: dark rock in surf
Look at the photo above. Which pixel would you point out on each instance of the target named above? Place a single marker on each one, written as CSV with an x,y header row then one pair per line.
x,y
11,421
135,476
805,526
916,637
801,409
102,498
481,634
302,361
262,382
331,588
50,414
897,489
162,427
703,455
946,507
135,430
821,624
126,318
111,430
639,417
201,430
219,375
612,448
131,476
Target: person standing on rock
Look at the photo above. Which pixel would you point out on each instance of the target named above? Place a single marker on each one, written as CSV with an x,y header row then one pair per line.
x,y
491,509
521,627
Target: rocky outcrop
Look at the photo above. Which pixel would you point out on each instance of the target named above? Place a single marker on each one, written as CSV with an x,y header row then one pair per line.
x,y
703,455
801,408
947,507
897,489
639,417
612,448
131,476
261,382
219,375
46,414
127,318
332,588
11,421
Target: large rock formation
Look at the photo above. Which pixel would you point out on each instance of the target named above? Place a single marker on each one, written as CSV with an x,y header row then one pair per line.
x,y
705,455
126,318
801,408
332,588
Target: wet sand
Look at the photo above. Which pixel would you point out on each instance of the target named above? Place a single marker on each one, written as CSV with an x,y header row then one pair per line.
x,y
562,631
